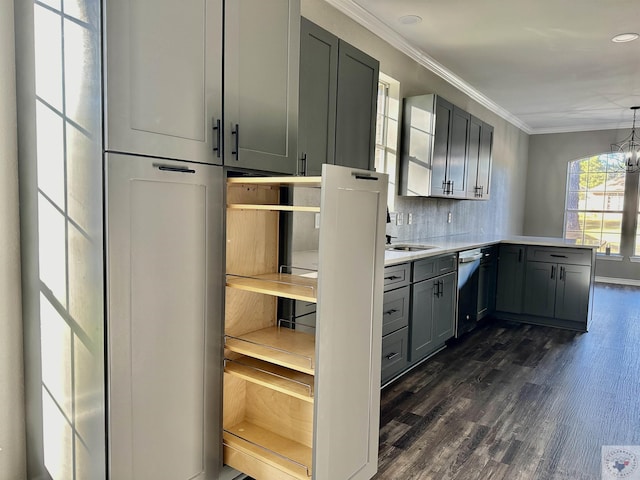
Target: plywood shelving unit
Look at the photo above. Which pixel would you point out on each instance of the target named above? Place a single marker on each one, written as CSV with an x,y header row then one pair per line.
x,y
269,369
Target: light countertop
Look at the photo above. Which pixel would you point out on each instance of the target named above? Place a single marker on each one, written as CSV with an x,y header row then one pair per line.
x,y
457,243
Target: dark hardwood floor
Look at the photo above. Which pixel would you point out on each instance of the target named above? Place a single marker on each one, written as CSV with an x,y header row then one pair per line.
x,y
512,401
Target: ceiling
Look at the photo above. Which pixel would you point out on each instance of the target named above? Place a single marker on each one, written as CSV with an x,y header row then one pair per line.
x,y
545,65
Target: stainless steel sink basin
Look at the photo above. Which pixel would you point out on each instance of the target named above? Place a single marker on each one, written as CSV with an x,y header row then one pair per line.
x,y
409,248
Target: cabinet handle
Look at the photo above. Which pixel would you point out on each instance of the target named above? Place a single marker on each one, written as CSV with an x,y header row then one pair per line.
x,y
392,277
391,356
171,168
451,187
519,255
216,135
561,273
442,288
555,255
389,312
236,132
363,176
303,164
553,271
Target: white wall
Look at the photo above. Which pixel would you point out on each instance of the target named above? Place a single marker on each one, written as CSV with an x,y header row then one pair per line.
x,y
504,213
12,428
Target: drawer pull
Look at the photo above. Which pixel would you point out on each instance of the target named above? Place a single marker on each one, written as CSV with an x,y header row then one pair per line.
x,y
393,355
389,312
392,277
555,255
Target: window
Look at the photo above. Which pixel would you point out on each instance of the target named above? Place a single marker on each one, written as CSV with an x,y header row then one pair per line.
x,y
595,202
387,132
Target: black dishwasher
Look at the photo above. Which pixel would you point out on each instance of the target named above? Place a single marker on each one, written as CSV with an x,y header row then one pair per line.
x,y
476,287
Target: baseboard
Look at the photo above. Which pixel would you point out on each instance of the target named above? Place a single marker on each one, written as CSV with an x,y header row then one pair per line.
x,y
618,281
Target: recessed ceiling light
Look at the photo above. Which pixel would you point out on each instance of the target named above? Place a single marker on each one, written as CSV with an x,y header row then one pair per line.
x,y
625,37
410,19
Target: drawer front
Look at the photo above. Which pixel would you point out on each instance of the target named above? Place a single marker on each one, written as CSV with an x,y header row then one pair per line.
x,y
395,310
396,276
394,353
573,256
424,269
447,263
434,266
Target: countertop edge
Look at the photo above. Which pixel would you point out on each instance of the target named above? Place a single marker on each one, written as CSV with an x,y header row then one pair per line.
x,y
455,245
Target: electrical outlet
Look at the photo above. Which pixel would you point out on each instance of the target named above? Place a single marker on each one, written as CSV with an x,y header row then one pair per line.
x,y
399,218
449,217
409,218
317,220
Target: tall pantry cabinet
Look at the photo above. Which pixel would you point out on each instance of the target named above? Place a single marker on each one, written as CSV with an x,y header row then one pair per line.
x,y
300,404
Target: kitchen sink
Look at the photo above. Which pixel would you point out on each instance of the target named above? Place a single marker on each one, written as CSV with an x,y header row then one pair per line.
x,y
409,248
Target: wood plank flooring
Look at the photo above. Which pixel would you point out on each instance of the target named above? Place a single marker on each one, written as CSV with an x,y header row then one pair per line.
x,y
512,401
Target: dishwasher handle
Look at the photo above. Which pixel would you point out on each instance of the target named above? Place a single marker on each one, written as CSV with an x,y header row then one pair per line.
x,y
470,258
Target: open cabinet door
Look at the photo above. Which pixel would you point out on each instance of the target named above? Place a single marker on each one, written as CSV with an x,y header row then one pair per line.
x,y
349,326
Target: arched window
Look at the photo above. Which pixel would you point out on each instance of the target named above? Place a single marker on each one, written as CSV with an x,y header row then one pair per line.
x,y
595,201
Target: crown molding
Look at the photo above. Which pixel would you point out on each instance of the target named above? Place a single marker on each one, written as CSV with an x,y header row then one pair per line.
x,y
581,128
376,26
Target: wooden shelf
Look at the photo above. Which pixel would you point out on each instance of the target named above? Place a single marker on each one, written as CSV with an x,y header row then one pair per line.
x,y
301,181
286,455
278,345
279,208
278,284
290,382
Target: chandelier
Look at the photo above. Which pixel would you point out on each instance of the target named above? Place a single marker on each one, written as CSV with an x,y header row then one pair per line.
x,y
629,148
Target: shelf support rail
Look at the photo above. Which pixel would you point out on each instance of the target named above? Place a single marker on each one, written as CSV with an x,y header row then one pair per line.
x,y
271,347
279,282
279,455
267,372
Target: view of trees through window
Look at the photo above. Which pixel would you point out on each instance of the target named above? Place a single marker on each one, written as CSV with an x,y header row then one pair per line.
x,y
595,201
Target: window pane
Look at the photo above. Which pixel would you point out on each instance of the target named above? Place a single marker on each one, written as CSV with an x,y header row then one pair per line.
x,y
594,202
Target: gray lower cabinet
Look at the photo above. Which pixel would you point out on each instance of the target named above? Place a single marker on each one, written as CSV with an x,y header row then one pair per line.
x,y
433,297
487,273
510,281
558,290
395,320
545,285
394,354
338,94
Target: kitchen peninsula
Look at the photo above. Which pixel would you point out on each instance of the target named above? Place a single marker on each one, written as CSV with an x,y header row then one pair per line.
x,y
539,280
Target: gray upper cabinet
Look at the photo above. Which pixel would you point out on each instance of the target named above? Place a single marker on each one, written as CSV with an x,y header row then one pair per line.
x,y
485,159
163,78
446,152
356,108
338,93
479,164
450,152
262,45
318,87
475,136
